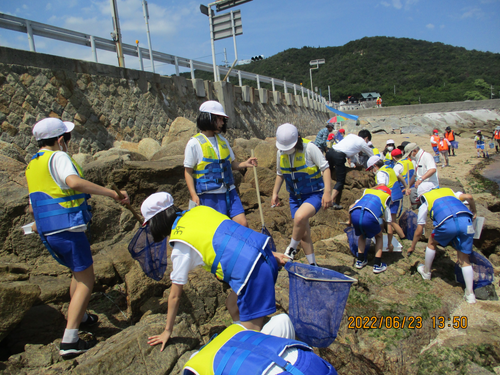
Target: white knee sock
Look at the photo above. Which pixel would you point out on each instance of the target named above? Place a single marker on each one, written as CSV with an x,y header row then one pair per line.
x,y
70,336
429,258
468,273
311,258
294,243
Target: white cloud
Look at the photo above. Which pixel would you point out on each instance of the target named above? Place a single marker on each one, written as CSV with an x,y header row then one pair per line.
x,y
397,4
385,3
471,12
48,6
25,7
441,27
430,26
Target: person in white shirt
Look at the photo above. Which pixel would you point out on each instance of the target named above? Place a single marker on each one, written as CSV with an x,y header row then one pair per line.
x,y
452,222
348,147
425,167
209,161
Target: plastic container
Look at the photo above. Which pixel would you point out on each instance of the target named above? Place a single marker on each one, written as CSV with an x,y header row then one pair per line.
x,y
454,144
28,228
436,159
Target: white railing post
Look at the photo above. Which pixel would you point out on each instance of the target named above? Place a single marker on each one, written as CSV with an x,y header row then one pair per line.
x,y
294,89
272,83
192,68
285,88
30,36
218,73
176,66
258,81
139,53
92,45
239,78
302,92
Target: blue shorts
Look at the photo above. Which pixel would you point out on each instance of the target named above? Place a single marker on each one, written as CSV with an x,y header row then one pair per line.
x,y
480,147
257,298
73,248
396,207
218,202
313,199
369,226
449,233
436,149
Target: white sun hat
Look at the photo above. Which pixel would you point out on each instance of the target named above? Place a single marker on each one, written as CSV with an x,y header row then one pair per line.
x,y
371,162
156,203
51,127
213,107
287,136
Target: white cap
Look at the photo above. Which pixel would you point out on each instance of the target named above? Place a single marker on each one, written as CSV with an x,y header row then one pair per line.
x,y
51,127
371,162
390,141
213,107
370,143
479,131
287,136
156,203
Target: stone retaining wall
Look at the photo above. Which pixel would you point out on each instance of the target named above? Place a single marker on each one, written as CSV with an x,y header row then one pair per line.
x,y
109,103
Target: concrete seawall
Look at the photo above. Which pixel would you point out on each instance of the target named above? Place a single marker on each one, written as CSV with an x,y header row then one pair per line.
x,y
109,103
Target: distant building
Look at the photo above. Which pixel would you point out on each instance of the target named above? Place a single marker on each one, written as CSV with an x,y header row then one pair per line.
x,y
369,96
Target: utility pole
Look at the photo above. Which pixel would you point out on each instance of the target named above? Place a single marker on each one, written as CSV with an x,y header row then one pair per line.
x,y
225,59
146,18
492,95
116,35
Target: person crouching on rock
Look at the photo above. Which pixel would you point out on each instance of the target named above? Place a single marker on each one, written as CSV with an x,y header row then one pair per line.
x,y
300,164
209,161
452,222
58,200
367,215
235,254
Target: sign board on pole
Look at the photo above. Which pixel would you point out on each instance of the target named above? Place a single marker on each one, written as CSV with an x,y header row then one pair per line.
x,y
317,62
223,27
226,4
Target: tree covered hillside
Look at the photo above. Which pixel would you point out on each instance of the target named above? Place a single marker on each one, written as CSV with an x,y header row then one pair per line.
x,y
433,72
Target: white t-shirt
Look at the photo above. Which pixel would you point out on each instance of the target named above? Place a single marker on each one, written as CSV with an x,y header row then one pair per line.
x,y
193,155
433,142
185,259
422,210
314,157
352,145
382,178
398,169
423,162
60,168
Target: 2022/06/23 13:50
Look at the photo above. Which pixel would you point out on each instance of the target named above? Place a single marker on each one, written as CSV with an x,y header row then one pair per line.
x,y
401,322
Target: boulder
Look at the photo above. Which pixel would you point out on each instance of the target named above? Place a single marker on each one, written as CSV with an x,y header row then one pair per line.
x,y
265,152
148,147
170,149
181,130
82,159
16,298
124,145
13,151
53,289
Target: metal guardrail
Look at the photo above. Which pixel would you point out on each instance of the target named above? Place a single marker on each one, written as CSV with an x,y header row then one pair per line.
x,y
32,28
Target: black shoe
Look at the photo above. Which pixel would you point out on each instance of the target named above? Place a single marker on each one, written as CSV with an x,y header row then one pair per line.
x,y
91,320
290,252
75,348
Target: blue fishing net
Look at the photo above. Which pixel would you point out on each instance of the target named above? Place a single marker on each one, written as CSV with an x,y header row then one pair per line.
x,y
353,242
152,256
454,144
408,222
483,271
317,300
270,243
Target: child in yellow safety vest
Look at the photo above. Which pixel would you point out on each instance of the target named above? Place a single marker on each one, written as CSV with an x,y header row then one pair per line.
x,y
235,254
58,200
209,161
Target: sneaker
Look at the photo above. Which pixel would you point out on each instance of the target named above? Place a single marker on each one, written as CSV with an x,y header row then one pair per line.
x,y
290,252
379,269
91,320
470,298
361,263
336,206
75,348
421,271
442,165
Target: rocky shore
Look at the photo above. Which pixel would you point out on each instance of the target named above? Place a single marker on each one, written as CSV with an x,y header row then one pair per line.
x,y
34,288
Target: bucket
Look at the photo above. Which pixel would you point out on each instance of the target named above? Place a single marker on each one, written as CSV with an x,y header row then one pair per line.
x,y
317,301
492,145
454,144
436,159
353,242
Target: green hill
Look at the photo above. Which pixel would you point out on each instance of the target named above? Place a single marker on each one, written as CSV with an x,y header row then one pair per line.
x,y
433,72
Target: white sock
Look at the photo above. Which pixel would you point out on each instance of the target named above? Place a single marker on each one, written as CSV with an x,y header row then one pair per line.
x,y
429,258
85,317
70,336
311,258
294,244
468,273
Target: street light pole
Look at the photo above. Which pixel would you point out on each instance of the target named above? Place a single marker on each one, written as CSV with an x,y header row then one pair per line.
x,y
146,18
312,63
117,35
210,20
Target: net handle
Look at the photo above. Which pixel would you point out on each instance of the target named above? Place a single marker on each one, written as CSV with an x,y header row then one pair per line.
x,y
258,192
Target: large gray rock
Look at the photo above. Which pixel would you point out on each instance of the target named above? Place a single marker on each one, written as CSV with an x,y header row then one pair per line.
x,y
16,298
53,289
170,149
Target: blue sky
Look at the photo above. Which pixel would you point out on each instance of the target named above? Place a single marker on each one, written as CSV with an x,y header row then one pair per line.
x,y
269,27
